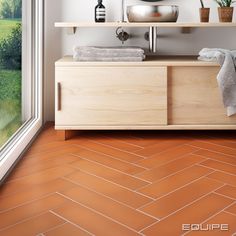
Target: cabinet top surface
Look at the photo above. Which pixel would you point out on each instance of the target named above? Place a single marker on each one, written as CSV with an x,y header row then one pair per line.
x,y
150,61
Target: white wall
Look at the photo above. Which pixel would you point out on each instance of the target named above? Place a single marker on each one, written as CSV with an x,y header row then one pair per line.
x,y
171,41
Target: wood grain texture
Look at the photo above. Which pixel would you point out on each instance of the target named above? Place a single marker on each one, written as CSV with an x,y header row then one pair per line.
x,y
112,96
194,97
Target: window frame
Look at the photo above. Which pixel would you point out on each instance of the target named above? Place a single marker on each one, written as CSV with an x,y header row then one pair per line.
x,y
32,77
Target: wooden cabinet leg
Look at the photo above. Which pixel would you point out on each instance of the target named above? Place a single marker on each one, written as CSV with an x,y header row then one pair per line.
x,y
66,134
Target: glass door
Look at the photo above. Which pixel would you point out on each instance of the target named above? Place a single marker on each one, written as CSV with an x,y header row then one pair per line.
x,y
21,56
10,68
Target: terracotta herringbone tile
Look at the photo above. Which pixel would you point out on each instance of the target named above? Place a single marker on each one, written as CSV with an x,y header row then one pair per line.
x,y
220,166
217,156
31,209
34,225
228,190
231,209
170,168
67,229
117,211
173,182
161,146
214,147
109,161
122,183
223,177
223,218
166,156
94,222
112,175
181,197
109,189
195,213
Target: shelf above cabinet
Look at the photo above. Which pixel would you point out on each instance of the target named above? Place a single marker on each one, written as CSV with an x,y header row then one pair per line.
x,y
73,25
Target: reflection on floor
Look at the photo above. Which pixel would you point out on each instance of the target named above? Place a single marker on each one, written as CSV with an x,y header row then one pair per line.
x,y
122,183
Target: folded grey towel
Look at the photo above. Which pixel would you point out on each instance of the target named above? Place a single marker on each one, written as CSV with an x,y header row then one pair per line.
x,y
109,59
108,52
227,75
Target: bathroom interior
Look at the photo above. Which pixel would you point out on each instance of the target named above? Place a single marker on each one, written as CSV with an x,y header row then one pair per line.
x,y
135,119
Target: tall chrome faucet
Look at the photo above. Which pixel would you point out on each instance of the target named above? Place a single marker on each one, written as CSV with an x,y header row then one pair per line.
x,y
123,11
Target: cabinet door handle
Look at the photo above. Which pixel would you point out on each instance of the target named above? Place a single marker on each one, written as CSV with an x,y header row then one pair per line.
x,y
59,96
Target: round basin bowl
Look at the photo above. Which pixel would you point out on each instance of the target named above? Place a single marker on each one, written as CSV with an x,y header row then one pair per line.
x,y
152,13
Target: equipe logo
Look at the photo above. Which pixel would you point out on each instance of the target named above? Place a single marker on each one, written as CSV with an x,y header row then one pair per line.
x,y
205,227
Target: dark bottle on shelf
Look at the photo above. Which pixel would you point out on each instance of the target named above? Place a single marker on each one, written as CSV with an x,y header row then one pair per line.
x,y
100,12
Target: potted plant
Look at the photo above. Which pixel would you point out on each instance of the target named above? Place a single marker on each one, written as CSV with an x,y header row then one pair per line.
x,y
204,12
225,10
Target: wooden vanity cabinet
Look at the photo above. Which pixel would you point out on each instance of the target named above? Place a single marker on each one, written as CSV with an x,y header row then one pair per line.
x,y
111,96
167,93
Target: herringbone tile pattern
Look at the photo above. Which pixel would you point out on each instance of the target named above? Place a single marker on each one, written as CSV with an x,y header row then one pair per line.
x,y
122,183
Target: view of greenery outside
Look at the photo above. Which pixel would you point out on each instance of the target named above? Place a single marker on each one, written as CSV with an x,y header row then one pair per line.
x,y
10,68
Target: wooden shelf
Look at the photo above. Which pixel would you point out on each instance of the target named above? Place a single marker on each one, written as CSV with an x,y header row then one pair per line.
x,y
150,61
185,26
148,24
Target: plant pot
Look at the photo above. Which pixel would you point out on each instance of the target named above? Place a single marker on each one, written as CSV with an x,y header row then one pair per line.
x,y
225,14
204,14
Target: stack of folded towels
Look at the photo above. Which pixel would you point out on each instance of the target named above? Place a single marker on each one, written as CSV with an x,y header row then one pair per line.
x,y
108,54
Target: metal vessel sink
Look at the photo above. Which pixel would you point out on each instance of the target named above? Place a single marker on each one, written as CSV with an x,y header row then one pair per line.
x,y
152,13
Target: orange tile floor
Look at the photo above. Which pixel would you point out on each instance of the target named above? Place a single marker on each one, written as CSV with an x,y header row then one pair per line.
x,y
122,183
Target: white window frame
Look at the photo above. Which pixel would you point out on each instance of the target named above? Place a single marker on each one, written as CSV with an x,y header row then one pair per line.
x,y
32,73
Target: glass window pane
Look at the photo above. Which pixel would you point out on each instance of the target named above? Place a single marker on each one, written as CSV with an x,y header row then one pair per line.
x,y
10,69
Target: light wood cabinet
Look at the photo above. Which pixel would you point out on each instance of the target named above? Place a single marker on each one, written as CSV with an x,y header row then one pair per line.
x,y
165,93
111,96
194,97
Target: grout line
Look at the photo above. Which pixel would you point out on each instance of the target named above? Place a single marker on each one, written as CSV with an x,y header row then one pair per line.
x,y
125,163
231,155
145,213
116,158
148,227
225,196
209,218
224,139
183,186
229,212
70,222
97,212
217,144
212,159
200,164
110,139
215,179
22,221
115,200
132,176
39,172
27,202
106,180
54,165
132,153
55,227
192,202
165,149
168,176
168,162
